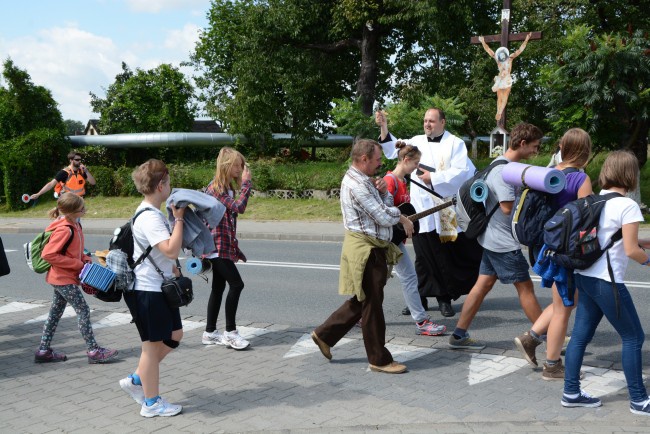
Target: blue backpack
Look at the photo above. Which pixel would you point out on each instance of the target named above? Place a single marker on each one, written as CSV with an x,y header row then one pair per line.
x,y
532,209
571,236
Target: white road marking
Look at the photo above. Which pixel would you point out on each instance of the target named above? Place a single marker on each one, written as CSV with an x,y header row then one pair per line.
x,y
291,265
112,320
485,367
600,382
17,306
67,313
192,325
404,353
306,345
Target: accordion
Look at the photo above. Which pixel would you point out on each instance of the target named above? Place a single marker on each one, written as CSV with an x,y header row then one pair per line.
x,y
97,277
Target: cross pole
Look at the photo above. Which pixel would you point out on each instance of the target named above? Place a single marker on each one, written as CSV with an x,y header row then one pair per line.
x,y
504,38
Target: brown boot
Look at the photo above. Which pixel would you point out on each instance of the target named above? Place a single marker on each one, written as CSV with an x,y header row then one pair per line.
x,y
526,344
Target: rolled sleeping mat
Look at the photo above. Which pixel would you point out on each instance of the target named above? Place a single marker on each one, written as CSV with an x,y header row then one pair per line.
x,y
478,191
544,179
198,266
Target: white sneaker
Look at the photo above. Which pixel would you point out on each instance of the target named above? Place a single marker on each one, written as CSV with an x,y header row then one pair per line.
x,y
214,338
135,391
234,340
160,408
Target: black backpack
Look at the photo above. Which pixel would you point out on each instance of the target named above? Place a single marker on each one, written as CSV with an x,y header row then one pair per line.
x,y
571,236
471,216
532,209
123,239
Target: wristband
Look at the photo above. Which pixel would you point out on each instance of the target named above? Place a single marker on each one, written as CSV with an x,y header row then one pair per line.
x,y
647,261
178,220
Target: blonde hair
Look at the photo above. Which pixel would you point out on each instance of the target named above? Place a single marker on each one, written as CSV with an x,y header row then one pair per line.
x,y
226,159
68,203
148,175
575,148
620,169
407,151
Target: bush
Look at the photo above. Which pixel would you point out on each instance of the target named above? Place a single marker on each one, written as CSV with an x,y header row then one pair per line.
x,y
104,182
124,185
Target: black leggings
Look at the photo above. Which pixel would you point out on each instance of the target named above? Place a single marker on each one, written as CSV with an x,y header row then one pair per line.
x,y
223,270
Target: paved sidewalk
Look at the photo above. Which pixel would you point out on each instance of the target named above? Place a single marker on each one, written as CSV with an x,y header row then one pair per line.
x,y
248,229
283,384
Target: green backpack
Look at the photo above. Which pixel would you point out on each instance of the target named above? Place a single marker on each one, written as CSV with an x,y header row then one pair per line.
x,y
34,249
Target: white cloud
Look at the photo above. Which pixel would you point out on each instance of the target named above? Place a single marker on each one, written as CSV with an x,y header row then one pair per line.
x,y
70,62
155,6
183,40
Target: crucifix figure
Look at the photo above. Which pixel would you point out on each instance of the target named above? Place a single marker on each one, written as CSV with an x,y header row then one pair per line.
x,y
503,81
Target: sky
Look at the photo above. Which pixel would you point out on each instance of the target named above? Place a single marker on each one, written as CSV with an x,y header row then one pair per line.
x,y
74,47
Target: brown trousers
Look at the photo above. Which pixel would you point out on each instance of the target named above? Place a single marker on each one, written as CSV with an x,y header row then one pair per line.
x,y
373,325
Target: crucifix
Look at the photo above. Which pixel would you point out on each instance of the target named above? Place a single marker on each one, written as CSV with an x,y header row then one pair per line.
x,y
503,81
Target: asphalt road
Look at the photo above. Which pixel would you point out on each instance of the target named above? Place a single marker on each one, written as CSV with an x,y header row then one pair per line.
x,y
295,283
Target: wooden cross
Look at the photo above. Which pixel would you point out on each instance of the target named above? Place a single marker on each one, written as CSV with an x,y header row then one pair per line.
x,y
504,38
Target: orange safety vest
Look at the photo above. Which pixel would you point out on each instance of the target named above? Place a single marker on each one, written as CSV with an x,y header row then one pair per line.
x,y
74,184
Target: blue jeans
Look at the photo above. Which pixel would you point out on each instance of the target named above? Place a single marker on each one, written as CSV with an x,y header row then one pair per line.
x,y
409,280
597,299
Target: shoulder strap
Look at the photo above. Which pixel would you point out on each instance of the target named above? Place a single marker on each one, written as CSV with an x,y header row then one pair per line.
x,y
145,252
492,165
396,183
67,243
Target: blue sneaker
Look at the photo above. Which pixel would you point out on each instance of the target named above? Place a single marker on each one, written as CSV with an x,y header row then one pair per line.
x,y
642,409
582,400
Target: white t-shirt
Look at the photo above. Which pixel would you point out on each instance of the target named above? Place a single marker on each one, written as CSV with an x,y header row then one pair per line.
x,y
618,211
150,228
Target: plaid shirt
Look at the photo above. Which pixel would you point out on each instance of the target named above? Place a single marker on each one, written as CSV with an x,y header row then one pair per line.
x,y
225,234
364,209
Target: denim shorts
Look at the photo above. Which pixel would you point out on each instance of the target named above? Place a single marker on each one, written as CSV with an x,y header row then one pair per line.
x,y
152,315
509,267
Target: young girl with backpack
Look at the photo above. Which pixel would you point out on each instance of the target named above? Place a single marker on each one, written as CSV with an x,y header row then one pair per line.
x,y
231,176
576,149
619,174
159,325
63,275
408,158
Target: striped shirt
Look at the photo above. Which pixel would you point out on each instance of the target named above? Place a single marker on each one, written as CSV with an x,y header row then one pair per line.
x,y
364,209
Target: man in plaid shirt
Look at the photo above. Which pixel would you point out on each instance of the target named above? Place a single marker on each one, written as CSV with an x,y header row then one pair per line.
x,y
368,216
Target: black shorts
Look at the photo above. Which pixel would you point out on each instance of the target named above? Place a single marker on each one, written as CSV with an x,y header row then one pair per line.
x,y
152,315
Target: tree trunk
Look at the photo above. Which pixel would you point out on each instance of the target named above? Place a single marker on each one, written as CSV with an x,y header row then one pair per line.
x,y
369,69
638,140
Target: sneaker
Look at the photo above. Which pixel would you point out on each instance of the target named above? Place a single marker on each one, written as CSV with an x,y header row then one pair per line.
x,y
134,390
583,400
556,372
213,338
465,343
235,341
391,368
160,408
429,328
642,409
526,344
101,355
322,346
49,355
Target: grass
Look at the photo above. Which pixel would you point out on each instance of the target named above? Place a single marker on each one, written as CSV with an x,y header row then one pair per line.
x,y
258,209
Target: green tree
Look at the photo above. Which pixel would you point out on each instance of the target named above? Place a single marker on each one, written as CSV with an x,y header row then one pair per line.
x,y
32,135
156,100
276,66
73,127
600,82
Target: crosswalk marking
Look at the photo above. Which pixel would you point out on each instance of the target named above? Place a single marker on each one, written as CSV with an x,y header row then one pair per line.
x,y
68,312
404,353
112,320
17,307
306,345
485,367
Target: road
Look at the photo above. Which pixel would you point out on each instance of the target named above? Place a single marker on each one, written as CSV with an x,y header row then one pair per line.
x,y
295,283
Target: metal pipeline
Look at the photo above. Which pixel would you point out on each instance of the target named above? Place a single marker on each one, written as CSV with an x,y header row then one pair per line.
x,y
146,140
